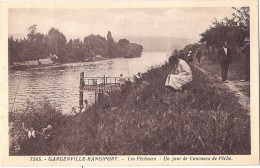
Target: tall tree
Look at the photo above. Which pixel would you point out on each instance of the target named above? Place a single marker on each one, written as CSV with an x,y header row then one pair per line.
x,y
233,30
57,43
111,46
242,17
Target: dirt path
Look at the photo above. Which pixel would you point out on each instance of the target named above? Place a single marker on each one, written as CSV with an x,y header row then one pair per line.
x,y
240,89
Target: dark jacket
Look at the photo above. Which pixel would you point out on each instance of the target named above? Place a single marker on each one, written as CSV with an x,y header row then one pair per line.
x,y
223,57
198,53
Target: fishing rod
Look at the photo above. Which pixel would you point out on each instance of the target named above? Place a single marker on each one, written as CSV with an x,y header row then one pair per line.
x,y
17,89
127,67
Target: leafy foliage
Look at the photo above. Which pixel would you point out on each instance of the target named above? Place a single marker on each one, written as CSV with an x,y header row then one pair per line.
x,y
38,114
38,46
234,30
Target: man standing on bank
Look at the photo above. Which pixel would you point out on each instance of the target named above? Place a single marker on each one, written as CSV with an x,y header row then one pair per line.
x,y
225,58
198,55
245,60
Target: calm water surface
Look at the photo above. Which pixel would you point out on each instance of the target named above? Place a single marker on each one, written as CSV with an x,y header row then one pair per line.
x,y
61,85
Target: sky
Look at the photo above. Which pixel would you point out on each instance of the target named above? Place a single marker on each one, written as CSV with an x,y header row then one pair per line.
x,y
182,22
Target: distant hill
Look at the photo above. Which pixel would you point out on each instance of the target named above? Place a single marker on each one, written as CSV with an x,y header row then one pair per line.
x,y
158,43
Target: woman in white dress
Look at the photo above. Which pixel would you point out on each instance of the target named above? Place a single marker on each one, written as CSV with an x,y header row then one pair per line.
x,y
181,76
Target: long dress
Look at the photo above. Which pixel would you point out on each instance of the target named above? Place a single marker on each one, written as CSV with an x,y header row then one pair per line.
x,y
182,77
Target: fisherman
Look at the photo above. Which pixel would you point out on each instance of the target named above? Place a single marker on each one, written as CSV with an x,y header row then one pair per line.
x,y
137,79
190,57
31,145
47,133
128,85
180,77
87,106
245,52
122,82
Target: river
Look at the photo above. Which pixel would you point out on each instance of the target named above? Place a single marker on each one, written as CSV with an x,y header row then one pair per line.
x,y
61,85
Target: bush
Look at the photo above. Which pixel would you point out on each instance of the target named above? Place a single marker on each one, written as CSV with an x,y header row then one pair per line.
x,y
38,115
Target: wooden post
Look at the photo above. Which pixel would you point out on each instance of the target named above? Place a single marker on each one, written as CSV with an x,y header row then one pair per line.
x,y
81,90
95,97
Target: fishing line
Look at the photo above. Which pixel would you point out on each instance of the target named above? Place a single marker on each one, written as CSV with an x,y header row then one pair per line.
x,y
127,66
17,89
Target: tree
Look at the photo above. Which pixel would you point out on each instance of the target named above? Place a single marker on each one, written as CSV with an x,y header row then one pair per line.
x,y
233,30
95,45
32,31
242,17
13,51
37,46
32,48
123,47
76,50
56,44
112,50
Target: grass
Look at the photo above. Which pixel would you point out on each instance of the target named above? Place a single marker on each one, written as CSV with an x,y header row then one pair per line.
x,y
204,120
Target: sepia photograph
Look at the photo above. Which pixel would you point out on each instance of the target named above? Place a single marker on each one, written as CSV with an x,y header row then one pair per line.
x,y
139,81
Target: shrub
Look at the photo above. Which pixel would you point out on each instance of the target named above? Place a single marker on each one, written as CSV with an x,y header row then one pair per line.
x,y
38,115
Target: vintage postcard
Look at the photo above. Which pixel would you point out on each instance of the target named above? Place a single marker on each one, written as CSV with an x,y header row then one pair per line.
x,y
129,83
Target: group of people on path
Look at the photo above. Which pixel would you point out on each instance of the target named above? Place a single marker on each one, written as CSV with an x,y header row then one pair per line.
x,y
189,56
182,74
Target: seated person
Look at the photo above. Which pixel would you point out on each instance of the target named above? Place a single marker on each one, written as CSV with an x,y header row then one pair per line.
x,y
47,133
87,106
181,76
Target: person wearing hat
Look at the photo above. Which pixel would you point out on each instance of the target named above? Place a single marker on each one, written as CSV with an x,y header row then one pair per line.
x,y
46,132
180,77
87,106
245,53
190,57
225,58
122,82
31,146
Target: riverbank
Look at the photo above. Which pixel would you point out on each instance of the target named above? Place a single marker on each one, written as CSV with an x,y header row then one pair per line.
x,y
203,120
